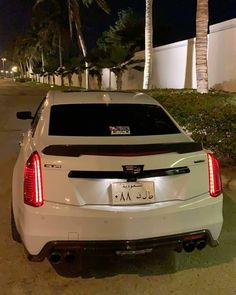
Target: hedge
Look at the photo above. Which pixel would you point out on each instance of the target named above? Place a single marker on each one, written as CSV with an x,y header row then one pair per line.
x,y
22,80
210,118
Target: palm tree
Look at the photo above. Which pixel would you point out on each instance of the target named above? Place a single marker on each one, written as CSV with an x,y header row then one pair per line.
x,y
42,45
117,46
148,45
74,19
117,58
51,25
25,53
202,20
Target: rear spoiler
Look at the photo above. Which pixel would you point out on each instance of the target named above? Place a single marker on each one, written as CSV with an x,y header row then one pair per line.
x,y
122,150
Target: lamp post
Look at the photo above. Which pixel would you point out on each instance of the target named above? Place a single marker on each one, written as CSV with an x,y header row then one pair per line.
x,y
3,63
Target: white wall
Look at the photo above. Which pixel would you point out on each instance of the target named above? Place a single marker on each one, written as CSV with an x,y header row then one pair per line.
x,y
173,67
222,56
108,80
174,64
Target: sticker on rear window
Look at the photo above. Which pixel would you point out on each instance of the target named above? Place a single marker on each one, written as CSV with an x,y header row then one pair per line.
x,y
119,130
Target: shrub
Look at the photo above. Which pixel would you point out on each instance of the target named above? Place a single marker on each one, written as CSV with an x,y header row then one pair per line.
x,y
210,118
23,80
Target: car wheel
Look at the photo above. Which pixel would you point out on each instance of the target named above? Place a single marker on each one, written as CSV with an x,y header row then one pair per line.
x,y
14,232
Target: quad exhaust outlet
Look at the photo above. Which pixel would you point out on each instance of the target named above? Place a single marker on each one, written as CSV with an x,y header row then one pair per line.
x,y
189,246
57,257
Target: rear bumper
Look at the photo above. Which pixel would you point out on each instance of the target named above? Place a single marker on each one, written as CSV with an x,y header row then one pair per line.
x,y
127,247
158,223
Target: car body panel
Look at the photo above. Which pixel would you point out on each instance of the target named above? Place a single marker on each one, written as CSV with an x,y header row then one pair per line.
x,y
58,222
81,191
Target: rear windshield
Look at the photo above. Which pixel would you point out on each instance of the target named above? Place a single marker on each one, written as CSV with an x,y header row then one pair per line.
x,y
109,120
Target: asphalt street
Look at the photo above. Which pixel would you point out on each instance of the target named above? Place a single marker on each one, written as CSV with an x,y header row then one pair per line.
x,y
211,271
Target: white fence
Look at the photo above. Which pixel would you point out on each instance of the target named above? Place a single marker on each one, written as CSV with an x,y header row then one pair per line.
x,y
222,56
174,64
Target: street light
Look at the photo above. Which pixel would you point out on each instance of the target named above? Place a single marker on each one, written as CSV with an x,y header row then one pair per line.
x,y
3,63
14,69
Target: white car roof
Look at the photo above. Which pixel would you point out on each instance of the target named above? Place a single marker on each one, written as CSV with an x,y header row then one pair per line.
x,y
106,97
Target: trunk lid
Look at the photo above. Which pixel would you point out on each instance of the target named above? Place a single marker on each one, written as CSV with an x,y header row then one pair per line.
x,y
90,176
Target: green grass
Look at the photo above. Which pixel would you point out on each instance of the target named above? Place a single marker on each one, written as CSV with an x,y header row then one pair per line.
x,y
50,87
210,118
191,94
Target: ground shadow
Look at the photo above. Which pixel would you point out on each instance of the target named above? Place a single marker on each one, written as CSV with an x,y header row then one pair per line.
x,y
155,263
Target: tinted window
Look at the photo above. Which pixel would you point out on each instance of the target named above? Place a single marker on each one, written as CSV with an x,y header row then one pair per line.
x,y
109,120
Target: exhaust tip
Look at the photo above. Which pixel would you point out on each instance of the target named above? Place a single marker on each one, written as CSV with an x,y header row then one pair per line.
x,y
189,246
201,244
55,257
70,256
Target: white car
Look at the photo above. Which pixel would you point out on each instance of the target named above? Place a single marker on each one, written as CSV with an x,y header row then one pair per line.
x,y
112,173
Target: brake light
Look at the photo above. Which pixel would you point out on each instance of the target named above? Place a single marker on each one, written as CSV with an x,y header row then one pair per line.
x,y
215,186
33,187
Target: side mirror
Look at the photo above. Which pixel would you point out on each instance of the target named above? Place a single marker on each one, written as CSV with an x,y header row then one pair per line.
x,y
24,115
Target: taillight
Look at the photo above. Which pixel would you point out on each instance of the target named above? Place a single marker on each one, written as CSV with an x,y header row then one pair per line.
x,y
33,187
215,186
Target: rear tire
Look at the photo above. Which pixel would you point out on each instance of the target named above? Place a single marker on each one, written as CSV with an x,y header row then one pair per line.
x,y
14,232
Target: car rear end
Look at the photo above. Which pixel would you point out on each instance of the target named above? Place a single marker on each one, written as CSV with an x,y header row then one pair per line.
x,y
117,175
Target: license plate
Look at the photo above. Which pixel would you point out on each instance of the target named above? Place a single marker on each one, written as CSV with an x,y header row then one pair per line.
x,y
126,193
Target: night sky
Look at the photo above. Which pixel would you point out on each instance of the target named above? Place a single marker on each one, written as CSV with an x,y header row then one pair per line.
x,y
174,20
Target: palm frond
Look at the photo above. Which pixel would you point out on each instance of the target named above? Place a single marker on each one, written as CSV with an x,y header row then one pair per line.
x,y
70,16
37,3
138,68
103,4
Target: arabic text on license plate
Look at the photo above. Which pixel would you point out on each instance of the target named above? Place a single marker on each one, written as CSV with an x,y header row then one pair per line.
x,y
125,193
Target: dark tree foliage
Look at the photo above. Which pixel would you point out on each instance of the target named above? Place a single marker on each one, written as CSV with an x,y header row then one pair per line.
x,y
128,31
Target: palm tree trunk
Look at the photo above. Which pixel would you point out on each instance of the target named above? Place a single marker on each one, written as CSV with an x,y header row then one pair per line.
x,y
119,75
27,68
99,80
80,79
202,19
60,50
53,80
30,67
70,79
148,45
62,80
42,60
84,51
74,16
21,69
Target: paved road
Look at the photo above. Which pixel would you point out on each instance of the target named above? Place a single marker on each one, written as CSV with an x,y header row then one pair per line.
x,y
212,271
